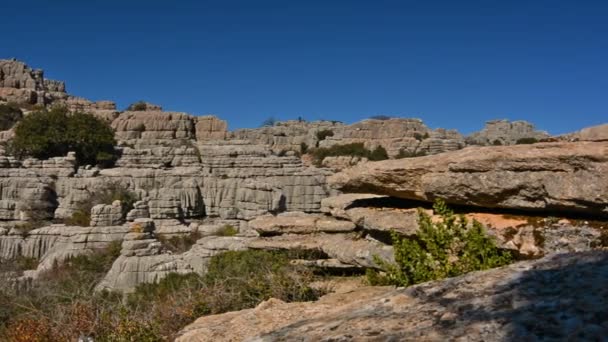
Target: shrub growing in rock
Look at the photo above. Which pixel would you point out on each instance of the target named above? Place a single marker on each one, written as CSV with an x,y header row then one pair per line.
x,y
447,248
55,132
404,153
9,115
138,106
524,141
354,150
323,134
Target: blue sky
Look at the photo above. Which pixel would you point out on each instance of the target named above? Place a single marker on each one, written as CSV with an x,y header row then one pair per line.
x,y
454,64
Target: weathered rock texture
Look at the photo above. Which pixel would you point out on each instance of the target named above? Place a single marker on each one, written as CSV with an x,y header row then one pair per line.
x,y
286,135
503,132
569,177
396,135
561,297
25,86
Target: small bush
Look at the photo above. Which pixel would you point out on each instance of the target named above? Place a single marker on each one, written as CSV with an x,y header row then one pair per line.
x,y
379,153
179,243
354,150
54,133
404,153
323,134
138,106
80,217
441,249
269,122
524,141
227,230
497,143
115,191
303,148
10,114
380,117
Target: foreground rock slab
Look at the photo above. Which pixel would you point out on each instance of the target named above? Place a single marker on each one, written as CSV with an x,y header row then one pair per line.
x,y
566,177
559,297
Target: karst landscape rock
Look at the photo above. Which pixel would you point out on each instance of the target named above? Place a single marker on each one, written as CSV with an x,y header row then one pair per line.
x,y
258,189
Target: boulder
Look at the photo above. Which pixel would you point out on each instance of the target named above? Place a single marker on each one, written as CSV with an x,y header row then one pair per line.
x,y
565,177
562,296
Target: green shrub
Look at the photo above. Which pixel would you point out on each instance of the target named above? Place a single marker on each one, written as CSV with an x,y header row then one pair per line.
x,y
497,142
227,230
237,280
524,141
138,106
380,117
379,153
354,149
179,243
80,217
269,122
115,191
323,134
404,153
303,148
9,115
441,249
53,133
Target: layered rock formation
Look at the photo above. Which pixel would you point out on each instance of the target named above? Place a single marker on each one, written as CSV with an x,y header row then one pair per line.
x,y
396,135
562,297
565,177
503,132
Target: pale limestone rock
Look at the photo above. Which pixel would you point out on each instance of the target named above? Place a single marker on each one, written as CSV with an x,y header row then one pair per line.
x,y
299,223
560,296
503,132
568,177
107,214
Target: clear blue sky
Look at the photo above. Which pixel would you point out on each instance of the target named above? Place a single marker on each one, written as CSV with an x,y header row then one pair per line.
x,y
455,64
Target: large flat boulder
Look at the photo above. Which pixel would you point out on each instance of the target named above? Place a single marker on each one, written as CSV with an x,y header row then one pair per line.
x,y
565,177
558,298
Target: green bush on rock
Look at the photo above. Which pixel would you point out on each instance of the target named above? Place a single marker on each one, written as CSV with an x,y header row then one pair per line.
x,y
447,248
9,115
55,132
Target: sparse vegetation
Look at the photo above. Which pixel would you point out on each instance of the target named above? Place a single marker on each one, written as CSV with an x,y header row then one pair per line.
x,y
10,114
55,132
380,117
420,136
138,106
227,230
179,243
269,122
497,143
62,306
524,141
303,148
354,150
323,134
112,191
404,153
447,248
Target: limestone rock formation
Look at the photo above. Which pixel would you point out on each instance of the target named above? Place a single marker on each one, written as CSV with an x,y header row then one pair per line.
x,y
503,132
396,135
299,223
286,135
562,296
107,214
569,177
